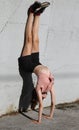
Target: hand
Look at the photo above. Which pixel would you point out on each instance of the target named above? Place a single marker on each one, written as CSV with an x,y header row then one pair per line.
x,y
36,122
47,116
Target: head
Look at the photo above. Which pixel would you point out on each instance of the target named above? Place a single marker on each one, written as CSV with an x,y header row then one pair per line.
x,y
34,101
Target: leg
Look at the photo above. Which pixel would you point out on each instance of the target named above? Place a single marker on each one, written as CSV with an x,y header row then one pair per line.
x,y
28,36
28,47
35,42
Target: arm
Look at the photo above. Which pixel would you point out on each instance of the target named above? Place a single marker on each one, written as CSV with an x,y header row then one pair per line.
x,y
40,105
39,94
52,92
52,107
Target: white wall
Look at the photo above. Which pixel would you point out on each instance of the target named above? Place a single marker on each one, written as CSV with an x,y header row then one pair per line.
x,y
59,49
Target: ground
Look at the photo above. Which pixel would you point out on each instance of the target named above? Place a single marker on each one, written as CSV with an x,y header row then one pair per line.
x,y
66,117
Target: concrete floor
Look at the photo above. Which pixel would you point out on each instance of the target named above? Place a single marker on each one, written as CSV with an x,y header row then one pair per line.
x,y
65,118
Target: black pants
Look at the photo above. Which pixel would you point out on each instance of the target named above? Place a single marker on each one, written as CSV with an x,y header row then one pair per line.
x,y
26,67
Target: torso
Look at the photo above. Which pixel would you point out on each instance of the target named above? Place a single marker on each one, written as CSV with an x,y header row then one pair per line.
x,y
43,81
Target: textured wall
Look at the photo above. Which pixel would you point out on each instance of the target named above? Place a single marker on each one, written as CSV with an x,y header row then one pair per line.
x,y
59,49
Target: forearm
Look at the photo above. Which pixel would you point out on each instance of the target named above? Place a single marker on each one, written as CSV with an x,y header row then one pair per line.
x,y
53,100
52,107
40,113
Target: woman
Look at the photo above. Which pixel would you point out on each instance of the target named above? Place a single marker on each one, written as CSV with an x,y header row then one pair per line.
x,y
29,61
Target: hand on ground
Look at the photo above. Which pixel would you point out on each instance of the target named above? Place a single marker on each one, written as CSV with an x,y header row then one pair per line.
x,y
36,122
47,116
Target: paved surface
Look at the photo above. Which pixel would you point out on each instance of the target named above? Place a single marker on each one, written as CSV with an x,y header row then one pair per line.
x,y
65,118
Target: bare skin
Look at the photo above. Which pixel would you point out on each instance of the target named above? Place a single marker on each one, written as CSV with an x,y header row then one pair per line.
x,y
45,70
31,45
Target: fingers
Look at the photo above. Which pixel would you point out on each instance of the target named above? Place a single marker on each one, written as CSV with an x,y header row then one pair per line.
x,y
47,117
36,122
